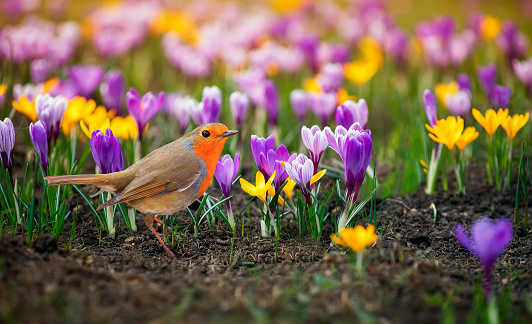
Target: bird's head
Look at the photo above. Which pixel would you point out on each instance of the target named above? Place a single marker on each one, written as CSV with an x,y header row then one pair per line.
x,y
209,140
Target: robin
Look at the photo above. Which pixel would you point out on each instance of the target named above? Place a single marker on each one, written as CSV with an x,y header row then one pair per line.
x,y
165,181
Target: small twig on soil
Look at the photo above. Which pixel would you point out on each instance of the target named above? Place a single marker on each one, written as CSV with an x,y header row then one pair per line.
x,y
397,201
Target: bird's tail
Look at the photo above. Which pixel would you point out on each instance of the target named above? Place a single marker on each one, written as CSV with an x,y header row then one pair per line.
x,y
99,180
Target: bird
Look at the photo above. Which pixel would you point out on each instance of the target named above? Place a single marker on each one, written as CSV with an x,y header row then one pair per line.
x,y
165,181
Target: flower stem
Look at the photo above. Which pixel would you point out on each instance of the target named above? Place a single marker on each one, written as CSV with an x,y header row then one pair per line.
x,y
358,265
458,174
345,214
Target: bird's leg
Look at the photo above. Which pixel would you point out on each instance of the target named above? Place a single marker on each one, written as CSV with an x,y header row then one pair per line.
x,y
162,223
149,221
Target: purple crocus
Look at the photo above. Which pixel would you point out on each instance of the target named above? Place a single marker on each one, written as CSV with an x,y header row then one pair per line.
x,y
38,137
271,101
316,143
40,69
239,103
351,112
86,78
523,71
50,110
226,170
272,161
487,242
261,145
331,77
430,107
458,103
488,78
299,102
309,45
464,82
323,105
112,90
512,42
7,142
301,171
106,151
143,109
354,145
500,97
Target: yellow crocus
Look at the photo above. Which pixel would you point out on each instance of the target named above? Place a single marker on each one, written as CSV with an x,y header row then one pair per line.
x,y
469,135
447,131
99,119
343,96
174,21
357,238
512,124
364,68
492,120
489,27
25,107
286,6
312,85
50,84
260,189
443,89
125,128
77,109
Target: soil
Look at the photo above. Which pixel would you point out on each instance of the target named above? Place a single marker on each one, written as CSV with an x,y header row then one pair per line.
x,y
412,273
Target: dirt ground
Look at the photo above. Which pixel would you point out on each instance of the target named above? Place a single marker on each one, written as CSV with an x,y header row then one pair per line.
x,y
414,270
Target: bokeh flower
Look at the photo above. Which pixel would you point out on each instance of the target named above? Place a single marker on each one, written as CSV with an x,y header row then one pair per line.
x,y
458,103
106,151
239,103
112,90
429,102
77,109
444,89
523,71
487,77
86,78
323,105
500,96
299,102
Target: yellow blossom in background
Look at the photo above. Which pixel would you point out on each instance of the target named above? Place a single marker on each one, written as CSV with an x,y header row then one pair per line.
x,y
100,119
357,238
512,124
447,131
272,69
260,189
77,109
312,85
363,69
425,165
25,107
343,96
443,89
286,6
50,84
469,135
125,128
3,88
489,27
175,21
492,120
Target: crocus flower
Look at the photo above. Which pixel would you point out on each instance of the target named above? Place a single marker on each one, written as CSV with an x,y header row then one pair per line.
x,y
443,89
38,137
40,69
500,96
301,170
25,107
331,77
523,71
226,170
458,103
50,111
512,124
143,109
299,102
430,107
106,151
449,132
112,90
210,107
323,105
273,161
488,78
468,136
271,101
125,128
464,82
354,145
78,108
316,143
492,120
260,189
351,112
7,142
86,78
512,42
357,238
487,241
261,145
239,103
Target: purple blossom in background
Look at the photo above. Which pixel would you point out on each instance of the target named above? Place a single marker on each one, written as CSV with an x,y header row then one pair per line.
x,y
183,109
459,103
7,142
272,161
66,88
430,107
354,145
239,103
251,81
464,82
86,78
487,242
500,97
309,45
112,90
50,111
351,112
29,90
512,42
461,46
487,77
226,170
261,145
331,77
271,101
315,141
41,69
333,53
299,103
143,109
38,138
523,71
323,105
396,44
169,102
106,151
213,92
210,107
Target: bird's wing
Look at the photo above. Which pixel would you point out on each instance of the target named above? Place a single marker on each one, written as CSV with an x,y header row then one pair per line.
x,y
167,174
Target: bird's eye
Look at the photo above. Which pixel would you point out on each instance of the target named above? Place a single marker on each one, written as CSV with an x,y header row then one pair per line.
x,y
205,133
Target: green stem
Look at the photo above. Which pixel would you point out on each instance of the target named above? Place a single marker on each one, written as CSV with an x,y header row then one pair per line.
x,y
458,175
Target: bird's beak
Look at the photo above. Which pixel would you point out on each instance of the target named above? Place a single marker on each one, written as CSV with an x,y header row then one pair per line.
x,y
228,133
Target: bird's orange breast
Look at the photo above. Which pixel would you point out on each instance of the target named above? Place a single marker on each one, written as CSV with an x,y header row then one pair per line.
x,y
210,154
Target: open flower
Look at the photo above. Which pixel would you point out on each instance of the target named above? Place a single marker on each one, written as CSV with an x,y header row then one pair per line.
x,y
143,109
106,151
100,119
357,238
125,128
512,124
316,143
260,189
487,241
261,145
351,112
226,170
7,142
288,189
449,132
468,136
77,109
492,120
38,138
301,170
25,107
